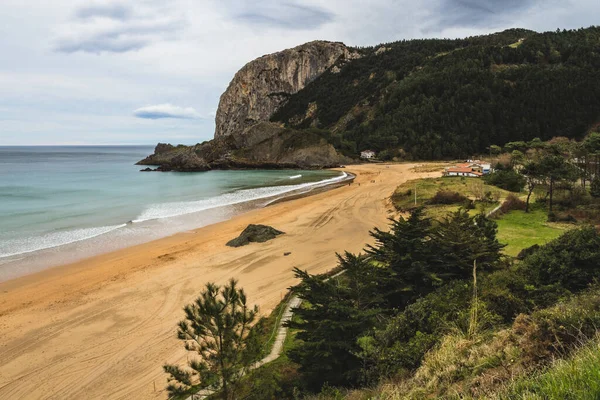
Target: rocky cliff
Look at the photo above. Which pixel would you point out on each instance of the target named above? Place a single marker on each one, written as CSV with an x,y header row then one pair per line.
x,y
262,146
262,86
243,136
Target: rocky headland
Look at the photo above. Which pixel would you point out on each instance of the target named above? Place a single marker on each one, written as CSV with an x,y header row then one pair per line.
x,y
244,137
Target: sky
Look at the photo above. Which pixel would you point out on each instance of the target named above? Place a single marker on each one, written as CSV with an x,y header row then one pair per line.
x,y
148,71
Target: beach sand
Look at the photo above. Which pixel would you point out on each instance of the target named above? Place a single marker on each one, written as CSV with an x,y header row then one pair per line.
x,y
103,327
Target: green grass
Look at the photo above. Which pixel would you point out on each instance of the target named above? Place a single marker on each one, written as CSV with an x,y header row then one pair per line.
x,y
519,230
575,378
404,196
516,44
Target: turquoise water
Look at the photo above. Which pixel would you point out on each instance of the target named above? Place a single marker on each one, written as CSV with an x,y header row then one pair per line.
x,y
55,199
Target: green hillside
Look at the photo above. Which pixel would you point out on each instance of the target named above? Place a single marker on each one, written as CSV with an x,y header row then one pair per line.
x,y
439,98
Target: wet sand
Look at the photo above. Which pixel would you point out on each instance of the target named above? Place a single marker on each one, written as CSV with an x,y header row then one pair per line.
x,y
102,328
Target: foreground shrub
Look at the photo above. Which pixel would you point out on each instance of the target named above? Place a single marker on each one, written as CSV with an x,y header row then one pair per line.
x,y
574,378
570,262
560,329
479,367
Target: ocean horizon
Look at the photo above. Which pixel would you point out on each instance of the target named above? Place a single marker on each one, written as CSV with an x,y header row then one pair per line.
x,y
59,204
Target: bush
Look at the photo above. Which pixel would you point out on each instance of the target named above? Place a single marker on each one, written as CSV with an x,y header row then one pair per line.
x,y
402,342
448,197
512,202
560,329
571,261
506,179
527,252
595,187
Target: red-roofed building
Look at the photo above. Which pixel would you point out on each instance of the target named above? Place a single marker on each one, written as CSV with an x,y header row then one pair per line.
x,y
463,171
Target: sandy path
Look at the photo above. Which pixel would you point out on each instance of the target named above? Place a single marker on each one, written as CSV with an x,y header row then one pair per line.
x,y
103,327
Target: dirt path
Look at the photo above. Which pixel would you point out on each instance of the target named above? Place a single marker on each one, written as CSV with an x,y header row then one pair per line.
x,y
102,328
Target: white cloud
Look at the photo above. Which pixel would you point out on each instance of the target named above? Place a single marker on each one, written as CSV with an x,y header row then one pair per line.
x,y
73,70
161,111
117,27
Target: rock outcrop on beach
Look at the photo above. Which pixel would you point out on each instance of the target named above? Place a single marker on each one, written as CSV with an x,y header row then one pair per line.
x,y
261,146
255,233
262,86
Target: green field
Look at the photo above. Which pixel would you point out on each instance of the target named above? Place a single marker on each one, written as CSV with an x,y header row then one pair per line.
x,y
519,230
404,196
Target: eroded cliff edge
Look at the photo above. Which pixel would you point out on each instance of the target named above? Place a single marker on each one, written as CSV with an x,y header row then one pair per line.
x,y
243,136
262,86
261,146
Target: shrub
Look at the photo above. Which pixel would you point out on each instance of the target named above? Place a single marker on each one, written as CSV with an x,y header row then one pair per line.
x,y
406,337
506,179
595,187
512,202
448,197
560,329
527,252
571,261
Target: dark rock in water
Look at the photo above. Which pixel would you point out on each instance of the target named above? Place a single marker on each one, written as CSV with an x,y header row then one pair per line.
x,y
255,233
147,169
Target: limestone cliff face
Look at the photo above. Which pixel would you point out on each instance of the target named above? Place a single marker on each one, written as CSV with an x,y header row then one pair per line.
x,y
264,85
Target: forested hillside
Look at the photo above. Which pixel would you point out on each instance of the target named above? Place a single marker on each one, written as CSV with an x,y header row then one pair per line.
x,y
432,99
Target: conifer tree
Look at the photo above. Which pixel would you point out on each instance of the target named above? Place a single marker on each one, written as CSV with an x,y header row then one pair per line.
x,y
217,328
406,252
334,314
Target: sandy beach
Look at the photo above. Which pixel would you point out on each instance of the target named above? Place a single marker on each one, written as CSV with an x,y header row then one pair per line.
x,y
103,327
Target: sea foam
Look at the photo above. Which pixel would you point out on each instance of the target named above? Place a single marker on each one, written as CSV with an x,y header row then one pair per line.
x,y
18,246
175,209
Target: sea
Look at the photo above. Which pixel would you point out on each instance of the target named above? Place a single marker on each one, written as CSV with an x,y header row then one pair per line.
x,y
60,204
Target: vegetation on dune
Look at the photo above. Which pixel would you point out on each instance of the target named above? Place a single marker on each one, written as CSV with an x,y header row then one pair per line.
x,y
434,99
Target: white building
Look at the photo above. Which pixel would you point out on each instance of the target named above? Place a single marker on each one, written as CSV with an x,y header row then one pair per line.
x,y
367,154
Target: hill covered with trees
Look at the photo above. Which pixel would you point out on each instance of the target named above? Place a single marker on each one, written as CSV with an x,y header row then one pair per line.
x,y
441,98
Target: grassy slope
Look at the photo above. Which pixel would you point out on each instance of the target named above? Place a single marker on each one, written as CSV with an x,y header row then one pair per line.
x,y
575,378
427,188
517,229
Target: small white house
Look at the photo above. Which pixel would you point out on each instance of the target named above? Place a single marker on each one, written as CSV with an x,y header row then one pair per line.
x,y
367,154
463,171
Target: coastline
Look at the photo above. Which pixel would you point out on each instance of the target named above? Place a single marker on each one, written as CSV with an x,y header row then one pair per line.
x,y
147,230
103,327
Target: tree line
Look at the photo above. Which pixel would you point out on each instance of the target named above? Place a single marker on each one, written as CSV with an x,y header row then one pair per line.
x,y
441,99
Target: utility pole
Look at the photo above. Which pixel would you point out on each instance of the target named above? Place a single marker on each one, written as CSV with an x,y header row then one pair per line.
x,y
415,194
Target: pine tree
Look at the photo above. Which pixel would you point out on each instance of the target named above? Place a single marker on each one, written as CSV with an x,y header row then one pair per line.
x,y
334,314
459,240
217,328
406,252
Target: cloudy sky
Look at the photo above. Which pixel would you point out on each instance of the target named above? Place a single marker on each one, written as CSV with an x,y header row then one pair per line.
x,y
139,72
